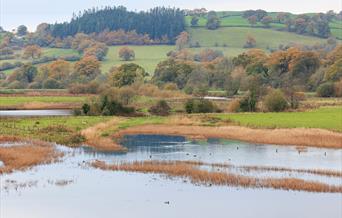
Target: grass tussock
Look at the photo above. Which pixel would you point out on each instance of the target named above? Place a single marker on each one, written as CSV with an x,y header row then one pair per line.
x,y
96,136
295,136
29,154
190,170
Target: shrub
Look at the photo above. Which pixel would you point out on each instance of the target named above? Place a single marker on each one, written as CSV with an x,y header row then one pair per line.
x,y
275,101
89,88
126,54
85,109
200,106
326,90
51,84
248,102
160,109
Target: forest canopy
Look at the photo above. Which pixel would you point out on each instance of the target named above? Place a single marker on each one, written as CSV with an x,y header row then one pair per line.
x,y
158,22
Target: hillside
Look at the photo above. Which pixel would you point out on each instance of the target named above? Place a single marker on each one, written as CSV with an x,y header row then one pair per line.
x,y
236,19
235,37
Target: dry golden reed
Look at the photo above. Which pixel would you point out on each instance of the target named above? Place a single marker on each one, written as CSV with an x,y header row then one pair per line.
x,y
190,170
30,153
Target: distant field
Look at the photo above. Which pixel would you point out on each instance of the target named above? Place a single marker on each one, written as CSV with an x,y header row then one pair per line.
x,y
17,100
146,56
49,52
235,37
325,118
235,19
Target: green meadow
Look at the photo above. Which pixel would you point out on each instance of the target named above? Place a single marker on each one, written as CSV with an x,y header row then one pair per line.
x,y
325,118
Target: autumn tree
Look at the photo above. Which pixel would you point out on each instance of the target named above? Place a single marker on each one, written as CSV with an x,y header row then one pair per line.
x,y
252,20
126,54
266,21
24,74
32,51
86,69
126,74
213,22
99,50
182,40
21,30
250,42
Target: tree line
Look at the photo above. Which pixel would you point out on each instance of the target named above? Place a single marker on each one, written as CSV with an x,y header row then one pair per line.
x,y
158,22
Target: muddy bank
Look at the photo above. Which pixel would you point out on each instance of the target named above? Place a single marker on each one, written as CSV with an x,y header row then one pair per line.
x,y
295,136
25,154
97,138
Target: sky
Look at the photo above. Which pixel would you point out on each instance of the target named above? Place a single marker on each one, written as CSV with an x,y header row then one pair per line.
x,y
33,12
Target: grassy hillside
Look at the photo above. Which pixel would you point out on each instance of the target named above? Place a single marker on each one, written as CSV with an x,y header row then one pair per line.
x,y
146,56
235,19
235,37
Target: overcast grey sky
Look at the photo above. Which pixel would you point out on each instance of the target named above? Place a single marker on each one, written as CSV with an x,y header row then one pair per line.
x,y
32,12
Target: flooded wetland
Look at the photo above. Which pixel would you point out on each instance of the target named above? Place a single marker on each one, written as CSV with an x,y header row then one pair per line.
x,y
171,176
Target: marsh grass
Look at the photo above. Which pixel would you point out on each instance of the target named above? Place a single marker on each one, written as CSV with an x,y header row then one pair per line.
x,y
25,155
190,170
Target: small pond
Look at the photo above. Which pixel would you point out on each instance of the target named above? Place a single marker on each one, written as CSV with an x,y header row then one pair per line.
x,y
71,188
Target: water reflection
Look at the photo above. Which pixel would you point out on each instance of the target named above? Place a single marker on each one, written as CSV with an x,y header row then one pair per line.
x,y
87,192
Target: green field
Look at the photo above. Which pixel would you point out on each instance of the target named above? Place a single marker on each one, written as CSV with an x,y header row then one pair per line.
x,y
235,37
48,52
325,118
146,56
54,129
11,101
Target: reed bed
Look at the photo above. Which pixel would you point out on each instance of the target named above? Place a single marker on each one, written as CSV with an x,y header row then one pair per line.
x,y
190,170
26,155
318,172
295,136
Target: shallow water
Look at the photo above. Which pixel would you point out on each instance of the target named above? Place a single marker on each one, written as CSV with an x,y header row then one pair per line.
x,y
34,113
71,189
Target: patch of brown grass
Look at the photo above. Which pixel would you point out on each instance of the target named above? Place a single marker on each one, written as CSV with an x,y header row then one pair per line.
x,y
190,170
95,138
22,157
295,136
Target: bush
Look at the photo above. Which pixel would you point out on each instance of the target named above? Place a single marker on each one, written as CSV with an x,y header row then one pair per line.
x,y
89,88
85,109
200,106
160,109
275,101
326,90
248,102
51,84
